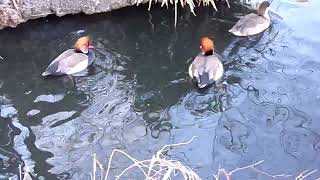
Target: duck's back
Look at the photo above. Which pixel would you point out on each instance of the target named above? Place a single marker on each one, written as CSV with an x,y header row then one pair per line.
x,y
67,63
197,66
214,67
250,24
206,69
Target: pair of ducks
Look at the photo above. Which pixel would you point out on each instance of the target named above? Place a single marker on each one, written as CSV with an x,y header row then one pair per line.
x,y
205,69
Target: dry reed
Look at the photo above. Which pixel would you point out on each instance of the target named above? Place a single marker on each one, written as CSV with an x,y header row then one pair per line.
x,y
183,3
159,167
24,173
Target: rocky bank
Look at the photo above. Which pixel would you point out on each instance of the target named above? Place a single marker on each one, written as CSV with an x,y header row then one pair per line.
x,y
14,12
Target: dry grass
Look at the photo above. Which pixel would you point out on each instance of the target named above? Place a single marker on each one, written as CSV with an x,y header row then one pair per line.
x,y
159,167
183,3
24,173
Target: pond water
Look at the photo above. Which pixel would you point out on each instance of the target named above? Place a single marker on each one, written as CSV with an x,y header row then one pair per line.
x,y
138,97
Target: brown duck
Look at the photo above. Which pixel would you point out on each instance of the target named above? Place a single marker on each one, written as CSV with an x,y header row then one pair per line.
x,y
206,68
72,60
252,24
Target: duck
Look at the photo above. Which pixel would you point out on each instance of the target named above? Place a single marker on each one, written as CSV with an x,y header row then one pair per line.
x,y
74,60
252,23
207,67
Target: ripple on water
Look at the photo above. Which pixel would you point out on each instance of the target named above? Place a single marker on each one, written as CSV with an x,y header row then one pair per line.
x,y
137,97
13,150
108,122
8,111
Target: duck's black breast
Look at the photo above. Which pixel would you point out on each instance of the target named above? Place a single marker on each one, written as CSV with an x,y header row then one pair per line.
x,y
91,56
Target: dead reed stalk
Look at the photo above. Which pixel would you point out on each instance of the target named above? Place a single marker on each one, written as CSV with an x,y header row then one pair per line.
x,y
183,3
159,167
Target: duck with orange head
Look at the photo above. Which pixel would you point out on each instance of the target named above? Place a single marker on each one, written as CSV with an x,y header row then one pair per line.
x,y
72,60
206,68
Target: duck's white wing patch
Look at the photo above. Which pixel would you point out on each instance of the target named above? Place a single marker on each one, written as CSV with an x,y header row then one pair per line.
x,y
219,72
197,67
214,67
73,63
79,67
62,56
53,67
190,71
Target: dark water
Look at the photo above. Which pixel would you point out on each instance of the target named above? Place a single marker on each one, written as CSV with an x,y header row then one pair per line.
x,y
138,96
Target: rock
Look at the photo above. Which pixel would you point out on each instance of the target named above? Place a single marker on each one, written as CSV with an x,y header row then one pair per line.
x,y
9,17
12,14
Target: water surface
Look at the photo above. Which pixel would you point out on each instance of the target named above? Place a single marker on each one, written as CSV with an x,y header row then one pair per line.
x,y
138,96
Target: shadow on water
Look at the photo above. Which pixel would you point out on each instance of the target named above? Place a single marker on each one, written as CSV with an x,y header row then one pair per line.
x,y
138,96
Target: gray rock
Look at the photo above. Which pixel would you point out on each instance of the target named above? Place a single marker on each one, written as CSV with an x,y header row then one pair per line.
x,y
12,14
9,17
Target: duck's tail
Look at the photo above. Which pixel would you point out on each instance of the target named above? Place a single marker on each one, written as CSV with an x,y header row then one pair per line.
x,y
235,32
233,29
204,80
45,73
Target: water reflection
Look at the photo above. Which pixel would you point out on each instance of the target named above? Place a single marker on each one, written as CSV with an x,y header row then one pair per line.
x,y
138,95
9,157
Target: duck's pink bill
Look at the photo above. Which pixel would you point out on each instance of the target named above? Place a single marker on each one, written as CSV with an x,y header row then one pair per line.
x,y
91,46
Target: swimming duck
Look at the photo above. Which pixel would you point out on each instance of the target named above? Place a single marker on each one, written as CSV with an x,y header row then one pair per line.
x,y
252,24
72,60
206,67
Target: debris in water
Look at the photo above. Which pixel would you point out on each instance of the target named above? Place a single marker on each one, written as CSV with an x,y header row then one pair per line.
x,y
80,31
49,98
28,92
33,112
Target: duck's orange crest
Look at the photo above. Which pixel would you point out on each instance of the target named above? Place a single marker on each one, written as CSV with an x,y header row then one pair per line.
x,y
83,41
206,44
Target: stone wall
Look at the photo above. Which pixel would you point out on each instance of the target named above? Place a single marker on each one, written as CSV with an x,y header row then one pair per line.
x,y
14,12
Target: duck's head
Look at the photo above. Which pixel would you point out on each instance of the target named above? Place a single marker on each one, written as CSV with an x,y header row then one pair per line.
x,y
83,44
206,46
263,8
